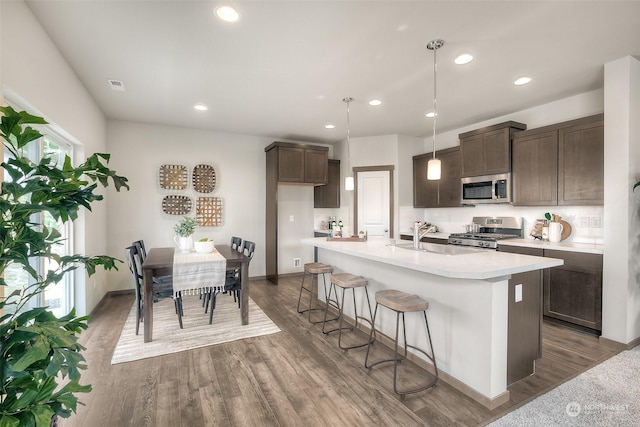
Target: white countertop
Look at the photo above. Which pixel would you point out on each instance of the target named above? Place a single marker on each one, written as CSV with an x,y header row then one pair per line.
x,y
479,264
590,248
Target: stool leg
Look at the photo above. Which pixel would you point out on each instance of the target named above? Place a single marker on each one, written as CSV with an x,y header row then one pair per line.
x,y
328,303
304,274
371,333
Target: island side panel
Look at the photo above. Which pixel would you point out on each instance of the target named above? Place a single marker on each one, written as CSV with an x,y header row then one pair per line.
x,y
467,318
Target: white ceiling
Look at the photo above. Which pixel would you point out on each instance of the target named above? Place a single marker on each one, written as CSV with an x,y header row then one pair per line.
x,y
283,69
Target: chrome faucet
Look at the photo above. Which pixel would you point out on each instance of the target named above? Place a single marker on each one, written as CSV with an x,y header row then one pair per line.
x,y
419,231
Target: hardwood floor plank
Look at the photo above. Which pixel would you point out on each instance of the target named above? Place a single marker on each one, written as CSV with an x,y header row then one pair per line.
x,y
296,377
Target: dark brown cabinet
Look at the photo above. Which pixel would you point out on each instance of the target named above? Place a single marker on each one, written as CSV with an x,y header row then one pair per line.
x,y
300,163
487,151
288,163
524,334
581,164
535,169
561,164
573,291
328,195
445,192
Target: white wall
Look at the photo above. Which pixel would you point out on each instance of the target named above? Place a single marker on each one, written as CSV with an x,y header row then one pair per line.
x,y
36,76
138,150
295,202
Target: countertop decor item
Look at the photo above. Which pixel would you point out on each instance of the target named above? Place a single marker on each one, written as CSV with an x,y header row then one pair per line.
x,y
185,227
204,246
173,177
40,353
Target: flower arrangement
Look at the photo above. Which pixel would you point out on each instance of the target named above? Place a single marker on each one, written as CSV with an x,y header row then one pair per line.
x,y
185,227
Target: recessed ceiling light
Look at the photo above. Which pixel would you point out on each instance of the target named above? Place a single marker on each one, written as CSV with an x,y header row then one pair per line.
x,y
329,126
200,107
227,13
465,58
522,81
375,102
430,114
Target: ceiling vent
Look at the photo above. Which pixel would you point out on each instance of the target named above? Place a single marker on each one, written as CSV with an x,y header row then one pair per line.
x,y
116,85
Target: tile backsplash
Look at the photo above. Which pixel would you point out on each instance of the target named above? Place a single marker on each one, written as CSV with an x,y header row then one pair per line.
x,y
586,221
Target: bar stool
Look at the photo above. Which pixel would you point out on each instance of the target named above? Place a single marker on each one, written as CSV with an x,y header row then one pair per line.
x,y
313,268
402,303
347,281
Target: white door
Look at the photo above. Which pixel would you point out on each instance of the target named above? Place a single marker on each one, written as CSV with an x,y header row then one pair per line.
x,y
373,203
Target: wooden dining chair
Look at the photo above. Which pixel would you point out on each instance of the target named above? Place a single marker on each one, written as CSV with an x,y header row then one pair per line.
x,y
236,243
135,268
131,255
233,283
162,285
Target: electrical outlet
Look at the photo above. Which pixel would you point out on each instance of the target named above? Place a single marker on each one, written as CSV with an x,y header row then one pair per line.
x,y
290,218
296,262
596,222
584,222
518,292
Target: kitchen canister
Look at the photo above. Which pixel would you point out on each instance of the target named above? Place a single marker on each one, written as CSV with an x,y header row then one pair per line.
x,y
555,231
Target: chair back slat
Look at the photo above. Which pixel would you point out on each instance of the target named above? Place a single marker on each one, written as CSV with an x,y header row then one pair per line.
x,y
236,243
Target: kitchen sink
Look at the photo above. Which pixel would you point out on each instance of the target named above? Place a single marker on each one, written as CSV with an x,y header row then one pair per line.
x,y
438,249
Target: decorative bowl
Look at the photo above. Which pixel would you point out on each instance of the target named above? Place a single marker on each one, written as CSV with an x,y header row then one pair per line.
x,y
204,247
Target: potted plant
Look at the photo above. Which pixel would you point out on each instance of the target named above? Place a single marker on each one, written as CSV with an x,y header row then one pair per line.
x,y
184,229
41,358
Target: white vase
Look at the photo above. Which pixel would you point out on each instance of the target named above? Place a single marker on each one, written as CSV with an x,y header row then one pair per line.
x,y
555,232
185,244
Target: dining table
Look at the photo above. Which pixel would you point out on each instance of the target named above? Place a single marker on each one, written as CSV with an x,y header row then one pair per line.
x,y
159,262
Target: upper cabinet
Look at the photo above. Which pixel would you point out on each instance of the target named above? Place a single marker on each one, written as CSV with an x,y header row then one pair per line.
x,y
561,164
328,196
487,151
300,163
445,192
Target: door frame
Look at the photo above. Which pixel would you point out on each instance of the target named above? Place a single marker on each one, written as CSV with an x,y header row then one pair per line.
x,y
356,170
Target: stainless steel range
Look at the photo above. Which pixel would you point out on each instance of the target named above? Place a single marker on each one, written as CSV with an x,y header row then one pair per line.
x,y
490,230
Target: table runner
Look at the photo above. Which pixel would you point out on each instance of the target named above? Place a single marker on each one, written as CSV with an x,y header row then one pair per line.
x,y
195,273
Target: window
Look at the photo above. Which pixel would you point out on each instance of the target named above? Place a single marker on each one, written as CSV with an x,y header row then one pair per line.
x,y
58,297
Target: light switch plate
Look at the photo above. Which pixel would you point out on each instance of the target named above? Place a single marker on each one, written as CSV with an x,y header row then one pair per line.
x,y
584,222
519,292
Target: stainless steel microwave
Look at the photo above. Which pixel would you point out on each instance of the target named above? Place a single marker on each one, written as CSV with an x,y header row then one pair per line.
x,y
486,189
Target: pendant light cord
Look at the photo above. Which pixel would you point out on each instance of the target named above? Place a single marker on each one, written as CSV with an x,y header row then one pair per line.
x,y
348,99
435,102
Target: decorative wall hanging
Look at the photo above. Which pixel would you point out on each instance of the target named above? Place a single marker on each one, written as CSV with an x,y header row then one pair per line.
x,y
209,211
173,177
176,205
204,178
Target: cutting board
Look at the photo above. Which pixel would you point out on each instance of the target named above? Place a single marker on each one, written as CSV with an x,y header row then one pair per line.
x,y
566,230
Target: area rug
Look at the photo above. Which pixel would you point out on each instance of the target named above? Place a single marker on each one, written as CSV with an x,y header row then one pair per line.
x,y
169,338
606,395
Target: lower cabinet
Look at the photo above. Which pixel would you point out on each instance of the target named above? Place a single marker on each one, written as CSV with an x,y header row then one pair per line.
x,y
573,291
524,336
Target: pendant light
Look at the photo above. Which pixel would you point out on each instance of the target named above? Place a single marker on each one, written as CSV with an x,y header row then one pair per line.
x,y
348,180
433,166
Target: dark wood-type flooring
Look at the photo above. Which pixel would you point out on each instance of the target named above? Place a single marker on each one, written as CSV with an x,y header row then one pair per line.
x,y
298,377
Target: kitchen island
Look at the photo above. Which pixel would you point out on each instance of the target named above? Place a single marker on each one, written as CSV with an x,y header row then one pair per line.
x,y
467,290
